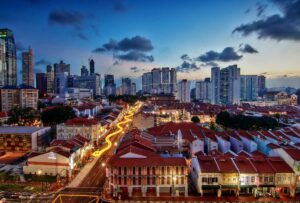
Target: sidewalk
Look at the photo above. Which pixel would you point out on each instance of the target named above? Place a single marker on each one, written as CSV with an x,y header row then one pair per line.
x,y
83,173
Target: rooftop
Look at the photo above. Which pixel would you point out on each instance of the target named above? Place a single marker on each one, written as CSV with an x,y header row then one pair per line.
x,y
20,129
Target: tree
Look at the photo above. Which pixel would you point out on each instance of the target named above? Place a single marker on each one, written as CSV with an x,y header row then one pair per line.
x,y
223,118
58,114
23,116
195,119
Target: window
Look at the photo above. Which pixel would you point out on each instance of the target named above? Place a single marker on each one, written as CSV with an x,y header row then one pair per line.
x,y
148,171
182,170
153,171
271,179
140,171
125,171
120,181
168,180
204,180
252,179
119,170
125,180
133,170
163,180
266,179
163,170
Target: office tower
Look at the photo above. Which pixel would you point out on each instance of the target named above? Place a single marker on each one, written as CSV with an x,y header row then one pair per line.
x,y
215,85
183,91
173,81
27,67
165,80
59,68
261,85
109,85
126,86
61,83
203,90
225,85
84,71
2,62
89,82
147,82
9,72
50,79
249,87
92,67
41,83
156,80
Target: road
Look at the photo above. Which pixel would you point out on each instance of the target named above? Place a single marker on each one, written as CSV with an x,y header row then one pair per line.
x,y
93,183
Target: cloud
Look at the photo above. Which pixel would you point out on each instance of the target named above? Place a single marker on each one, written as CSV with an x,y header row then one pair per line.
x,y
20,46
42,62
82,36
187,67
260,9
136,43
66,18
136,69
228,54
119,6
185,57
135,56
246,48
277,27
211,64
128,49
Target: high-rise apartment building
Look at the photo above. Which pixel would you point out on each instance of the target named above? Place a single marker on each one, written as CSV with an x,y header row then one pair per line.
x,y
88,82
203,90
159,81
249,87
27,67
225,85
183,91
60,69
8,73
41,83
18,96
50,79
126,86
261,85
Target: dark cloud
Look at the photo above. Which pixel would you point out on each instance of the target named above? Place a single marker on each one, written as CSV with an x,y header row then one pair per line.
x,y
246,48
187,67
136,43
128,49
82,36
278,27
42,62
66,18
228,54
135,69
20,46
119,6
260,9
211,64
135,56
185,57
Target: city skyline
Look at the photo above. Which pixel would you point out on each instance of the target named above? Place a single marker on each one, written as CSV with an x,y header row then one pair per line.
x,y
127,38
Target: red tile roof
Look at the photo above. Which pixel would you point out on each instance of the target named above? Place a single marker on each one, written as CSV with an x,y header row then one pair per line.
x,y
279,165
208,164
81,121
244,165
293,152
261,165
226,165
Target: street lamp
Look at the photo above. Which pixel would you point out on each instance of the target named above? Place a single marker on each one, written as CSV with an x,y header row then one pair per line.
x,y
39,173
103,164
174,180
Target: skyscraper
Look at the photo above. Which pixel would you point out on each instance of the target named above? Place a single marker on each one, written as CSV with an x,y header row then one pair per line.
x,y
203,90
156,80
27,67
173,80
165,80
226,85
183,91
147,82
261,85
50,79
9,72
59,68
92,67
109,85
2,62
84,71
126,86
41,83
249,87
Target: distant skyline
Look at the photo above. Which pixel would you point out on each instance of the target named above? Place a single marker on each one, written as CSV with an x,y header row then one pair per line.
x,y
129,37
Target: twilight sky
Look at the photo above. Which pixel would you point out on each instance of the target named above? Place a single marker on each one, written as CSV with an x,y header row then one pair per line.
x,y
129,37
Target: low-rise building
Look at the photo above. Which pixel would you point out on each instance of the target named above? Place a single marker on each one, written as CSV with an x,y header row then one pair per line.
x,y
90,129
23,138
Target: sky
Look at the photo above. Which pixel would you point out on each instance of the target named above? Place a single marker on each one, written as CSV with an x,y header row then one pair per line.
x,y
129,37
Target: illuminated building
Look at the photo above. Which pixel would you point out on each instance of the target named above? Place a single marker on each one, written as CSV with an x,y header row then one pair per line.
x,y
41,83
27,67
9,69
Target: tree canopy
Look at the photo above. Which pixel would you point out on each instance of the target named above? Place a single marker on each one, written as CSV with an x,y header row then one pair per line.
x,y
23,116
58,114
195,119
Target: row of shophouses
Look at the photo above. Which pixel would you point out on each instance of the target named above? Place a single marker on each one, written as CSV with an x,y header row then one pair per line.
x,y
226,163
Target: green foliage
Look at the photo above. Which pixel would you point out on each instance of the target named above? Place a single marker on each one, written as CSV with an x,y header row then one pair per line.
x,y
129,99
57,115
246,122
23,116
195,119
44,178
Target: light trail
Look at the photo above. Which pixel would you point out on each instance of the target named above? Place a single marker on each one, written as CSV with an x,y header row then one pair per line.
x,y
120,129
